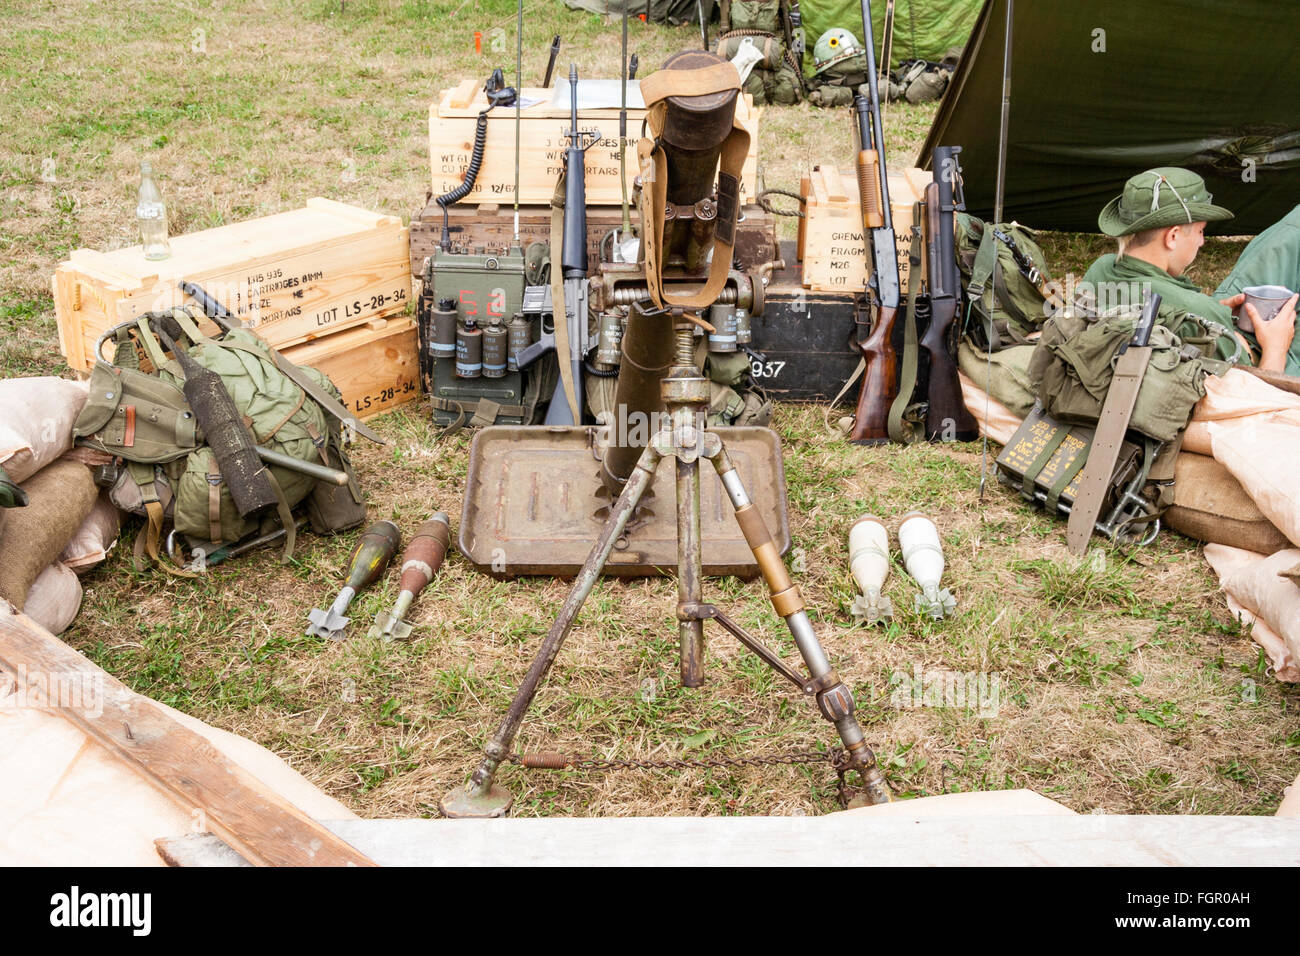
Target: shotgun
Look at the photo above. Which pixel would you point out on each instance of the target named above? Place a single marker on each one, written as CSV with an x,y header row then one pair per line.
x,y
947,418
880,362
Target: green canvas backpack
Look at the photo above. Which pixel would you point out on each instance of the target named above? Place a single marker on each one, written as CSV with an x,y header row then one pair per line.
x,y
168,472
773,79
1022,301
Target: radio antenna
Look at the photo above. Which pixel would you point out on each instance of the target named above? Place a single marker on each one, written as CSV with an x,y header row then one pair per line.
x,y
622,134
519,95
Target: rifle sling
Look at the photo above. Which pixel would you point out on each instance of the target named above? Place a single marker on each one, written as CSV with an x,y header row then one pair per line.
x,y
561,319
901,430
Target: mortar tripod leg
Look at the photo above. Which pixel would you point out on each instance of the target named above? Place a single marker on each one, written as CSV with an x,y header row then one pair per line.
x,y
834,699
480,797
690,574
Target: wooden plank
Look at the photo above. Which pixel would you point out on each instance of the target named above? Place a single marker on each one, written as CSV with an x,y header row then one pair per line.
x,y
542,144
292,276
376,369
263,827
854,839
463,95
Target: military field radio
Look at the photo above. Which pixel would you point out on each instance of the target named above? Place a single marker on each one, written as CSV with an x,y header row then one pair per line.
x,y
479,310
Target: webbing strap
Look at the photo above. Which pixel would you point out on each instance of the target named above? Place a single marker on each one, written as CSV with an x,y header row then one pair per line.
x,y
901,430
561,320
1040,462
1062,482
214,502
655,90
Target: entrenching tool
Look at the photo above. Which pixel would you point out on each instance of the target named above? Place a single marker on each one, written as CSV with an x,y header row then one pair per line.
x,y
201,558
869,562
918,539
420,562
1116,412
366,563
232,443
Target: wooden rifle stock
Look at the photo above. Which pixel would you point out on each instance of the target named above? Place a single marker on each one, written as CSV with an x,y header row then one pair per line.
x,y
879,381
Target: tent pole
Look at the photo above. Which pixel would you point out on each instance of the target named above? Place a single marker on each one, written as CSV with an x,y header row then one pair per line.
x,y
999,193
998,196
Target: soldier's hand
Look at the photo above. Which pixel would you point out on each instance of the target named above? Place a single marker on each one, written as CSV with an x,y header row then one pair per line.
x,y
1275,335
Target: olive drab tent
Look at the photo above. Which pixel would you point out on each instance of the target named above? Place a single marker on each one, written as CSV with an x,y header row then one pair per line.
x,y
1103,90
923,29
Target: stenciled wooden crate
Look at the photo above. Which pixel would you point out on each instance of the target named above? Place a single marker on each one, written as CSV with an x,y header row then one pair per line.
x,y
376,366
831,243
490,226
452,120
291,276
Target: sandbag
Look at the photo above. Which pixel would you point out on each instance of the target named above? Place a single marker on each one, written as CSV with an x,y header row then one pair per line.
x,y
54,598
36,416
1292,574
1002,422
1275,600
95,538
1008,379
1234,397
60,497
1265,458
1210,505
1225,561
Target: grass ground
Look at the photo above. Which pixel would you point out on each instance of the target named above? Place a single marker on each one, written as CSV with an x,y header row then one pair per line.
x,y
1123,684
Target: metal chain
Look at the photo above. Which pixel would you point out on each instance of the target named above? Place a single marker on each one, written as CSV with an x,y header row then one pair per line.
x,y
836,757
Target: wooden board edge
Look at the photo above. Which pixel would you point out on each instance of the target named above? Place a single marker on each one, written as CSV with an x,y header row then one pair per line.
x,y
231,799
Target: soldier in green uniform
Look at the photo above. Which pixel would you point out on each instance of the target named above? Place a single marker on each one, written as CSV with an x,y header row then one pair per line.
x,y
1159,221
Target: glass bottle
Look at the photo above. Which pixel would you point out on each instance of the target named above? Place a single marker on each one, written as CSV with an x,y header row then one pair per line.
x,y
152,214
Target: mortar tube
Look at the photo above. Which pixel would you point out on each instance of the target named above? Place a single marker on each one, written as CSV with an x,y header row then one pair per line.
x,y
648,352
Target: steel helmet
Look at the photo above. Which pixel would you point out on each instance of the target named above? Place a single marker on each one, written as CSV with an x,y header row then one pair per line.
x,y
835,45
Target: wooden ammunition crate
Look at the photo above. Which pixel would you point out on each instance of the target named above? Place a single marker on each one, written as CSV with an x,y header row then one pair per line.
x,y
452,120
292,276
492,227
376,366
831,245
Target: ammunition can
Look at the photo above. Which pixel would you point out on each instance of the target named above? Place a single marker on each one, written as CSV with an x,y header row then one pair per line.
x,y
469,350
744,331
723,318
444,329
519,336
494,350
609,346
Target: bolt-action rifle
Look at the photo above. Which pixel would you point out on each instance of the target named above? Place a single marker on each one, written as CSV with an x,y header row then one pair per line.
x,y
880,372
947,418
